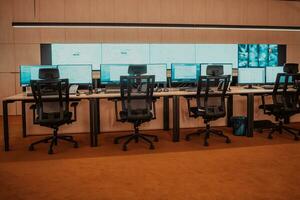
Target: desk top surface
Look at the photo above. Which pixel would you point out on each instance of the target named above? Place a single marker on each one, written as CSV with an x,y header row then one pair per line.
x,y
171,92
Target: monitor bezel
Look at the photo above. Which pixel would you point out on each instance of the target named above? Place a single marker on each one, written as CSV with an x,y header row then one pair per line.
x,y
186,80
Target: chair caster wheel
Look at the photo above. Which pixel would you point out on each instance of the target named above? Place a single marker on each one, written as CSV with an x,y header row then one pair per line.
x,y
156,139
228,141
270,137
187,138
76,145
125,148
296,139
151,147
31,148
50,151
206,144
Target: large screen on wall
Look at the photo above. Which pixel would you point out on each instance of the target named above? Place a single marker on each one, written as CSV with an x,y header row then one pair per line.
x,y
239,55
76,54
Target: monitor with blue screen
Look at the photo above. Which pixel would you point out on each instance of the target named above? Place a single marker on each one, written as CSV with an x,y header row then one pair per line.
x,y
31,72
185,73
159,71
77,74
227,68
110,73
252,75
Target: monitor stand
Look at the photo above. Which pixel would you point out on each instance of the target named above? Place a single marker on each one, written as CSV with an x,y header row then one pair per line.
x,y
249,86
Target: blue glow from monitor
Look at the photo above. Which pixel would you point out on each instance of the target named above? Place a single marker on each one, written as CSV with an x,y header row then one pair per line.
x,y
110,73
77,74
159,71
251,75
31,72
185,73
227,68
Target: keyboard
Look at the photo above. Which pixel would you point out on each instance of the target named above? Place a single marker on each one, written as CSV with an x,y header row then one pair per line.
x,y
112,91
268,87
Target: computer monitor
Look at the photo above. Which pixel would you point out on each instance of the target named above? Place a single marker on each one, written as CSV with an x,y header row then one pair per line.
x,y
185,73
271,74
110,73
251,75
31,72
159,71
227,68
77,74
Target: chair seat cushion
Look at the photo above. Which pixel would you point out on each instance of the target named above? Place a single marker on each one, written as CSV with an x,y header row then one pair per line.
x,y
138,114
54,118
211,113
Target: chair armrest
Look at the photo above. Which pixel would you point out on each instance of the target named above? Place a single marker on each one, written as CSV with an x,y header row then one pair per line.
x,y
116,109
264,103
32,107
74,106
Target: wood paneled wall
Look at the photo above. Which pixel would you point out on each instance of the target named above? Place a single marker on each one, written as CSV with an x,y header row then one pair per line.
x,y
21,46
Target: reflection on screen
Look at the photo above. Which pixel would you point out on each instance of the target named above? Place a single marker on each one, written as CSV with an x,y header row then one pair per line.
x,y
251,75
227,68
185,72
28,73
77,74
159,71
110,73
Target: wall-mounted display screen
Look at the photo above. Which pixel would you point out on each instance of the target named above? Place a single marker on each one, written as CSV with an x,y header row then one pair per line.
x,y
259,55
76,54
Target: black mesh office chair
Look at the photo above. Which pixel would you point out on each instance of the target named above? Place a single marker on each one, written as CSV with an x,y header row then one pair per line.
x,y
210,104
285,103
51,108
136,100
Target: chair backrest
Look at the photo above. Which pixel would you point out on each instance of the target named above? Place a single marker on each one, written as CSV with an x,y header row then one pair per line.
x,y
137,94
51,99
285,97
211,92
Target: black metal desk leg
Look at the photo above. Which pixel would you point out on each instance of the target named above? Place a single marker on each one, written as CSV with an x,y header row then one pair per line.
x,y
93,122
176,119
250,113
5,126
97,121
166,113
229,109
24,119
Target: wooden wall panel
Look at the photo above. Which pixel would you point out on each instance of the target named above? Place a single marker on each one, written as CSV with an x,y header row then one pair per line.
x,y
254,14
224,12
6,16
77,10
172,11
7,88
27,54
78,35
7,58
27,35
24,10
53,35
194,11
102,10
51,11
150,11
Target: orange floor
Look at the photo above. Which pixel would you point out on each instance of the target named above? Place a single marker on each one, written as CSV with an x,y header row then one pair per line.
x,y
248,168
